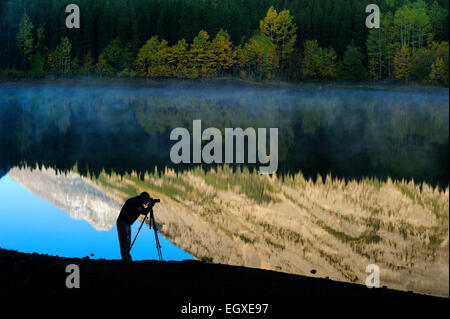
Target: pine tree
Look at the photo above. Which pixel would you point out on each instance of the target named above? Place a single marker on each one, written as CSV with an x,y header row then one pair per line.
x,y
311,59
59,60
224,55
88,64
353,68
201,54
25,40
178,58
66,48
402,63
437,73
421,62
115,58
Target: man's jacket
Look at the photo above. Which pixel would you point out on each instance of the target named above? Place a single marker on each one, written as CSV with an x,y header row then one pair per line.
x,y
131,211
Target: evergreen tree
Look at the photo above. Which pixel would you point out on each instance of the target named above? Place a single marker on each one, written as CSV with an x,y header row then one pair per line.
x,y
421,62
318,63
402,63
115,58
353,68
437,73
201,54
25,40
59,60
224,55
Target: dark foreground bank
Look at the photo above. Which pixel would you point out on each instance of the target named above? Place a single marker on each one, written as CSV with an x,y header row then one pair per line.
x,y
187,283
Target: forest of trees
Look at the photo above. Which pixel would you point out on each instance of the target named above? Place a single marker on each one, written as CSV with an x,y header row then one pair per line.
x,y
257,39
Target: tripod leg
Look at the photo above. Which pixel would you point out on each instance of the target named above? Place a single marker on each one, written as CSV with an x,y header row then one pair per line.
x,y
158,246
138,232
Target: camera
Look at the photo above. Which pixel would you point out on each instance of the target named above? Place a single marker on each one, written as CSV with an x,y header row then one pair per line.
x,y
151,202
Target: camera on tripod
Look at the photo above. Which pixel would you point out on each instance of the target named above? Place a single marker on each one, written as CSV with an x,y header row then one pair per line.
x,y
151,202
148,206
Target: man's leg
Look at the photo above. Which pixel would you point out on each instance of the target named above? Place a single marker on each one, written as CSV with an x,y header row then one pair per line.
x,y
128,242
124,232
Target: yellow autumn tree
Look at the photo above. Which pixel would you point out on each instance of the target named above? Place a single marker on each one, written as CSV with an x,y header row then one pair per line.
x,y
178,58
402,63
258,56
318,63
437,71
281,30
151,60
224,57
201,54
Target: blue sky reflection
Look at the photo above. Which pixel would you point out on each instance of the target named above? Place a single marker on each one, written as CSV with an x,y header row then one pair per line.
x,y
30,224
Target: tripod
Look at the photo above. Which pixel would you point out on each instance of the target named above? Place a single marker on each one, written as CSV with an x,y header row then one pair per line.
x,y
152,222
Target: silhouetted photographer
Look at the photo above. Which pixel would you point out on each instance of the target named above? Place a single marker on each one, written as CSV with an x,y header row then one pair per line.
x,y
131,210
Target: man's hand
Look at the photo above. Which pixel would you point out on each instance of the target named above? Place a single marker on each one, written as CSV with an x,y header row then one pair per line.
x,y
143,210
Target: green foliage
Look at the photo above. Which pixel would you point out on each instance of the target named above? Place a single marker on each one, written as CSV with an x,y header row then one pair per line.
x,y
318,63
421,63
281,30
412,24
352,65
37,66
116,35
440,70
201,57
151,59
114,58
407,26
402,63
258,57
59,60
88,65
25,40
430,65
437,73
224,56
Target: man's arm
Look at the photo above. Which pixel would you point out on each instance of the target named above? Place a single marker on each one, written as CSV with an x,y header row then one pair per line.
x,y
143,211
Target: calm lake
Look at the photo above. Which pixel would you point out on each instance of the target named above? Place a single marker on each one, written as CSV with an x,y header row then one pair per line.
x,y
72,152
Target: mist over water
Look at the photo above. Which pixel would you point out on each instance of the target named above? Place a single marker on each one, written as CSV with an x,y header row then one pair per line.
x,y
350,133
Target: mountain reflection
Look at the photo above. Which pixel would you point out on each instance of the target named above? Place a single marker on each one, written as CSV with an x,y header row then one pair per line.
x,y
70,193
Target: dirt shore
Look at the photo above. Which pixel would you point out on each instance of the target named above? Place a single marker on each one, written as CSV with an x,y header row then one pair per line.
x,y
34,273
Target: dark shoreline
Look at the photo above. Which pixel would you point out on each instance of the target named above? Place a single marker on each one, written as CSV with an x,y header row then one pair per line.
x,y
229,82
22,273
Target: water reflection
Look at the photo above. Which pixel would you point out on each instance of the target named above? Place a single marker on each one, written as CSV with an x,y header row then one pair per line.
x,y
113,143
349,133
66,216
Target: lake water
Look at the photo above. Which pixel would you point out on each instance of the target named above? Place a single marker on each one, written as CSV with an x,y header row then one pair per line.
x,y
31,224
64,146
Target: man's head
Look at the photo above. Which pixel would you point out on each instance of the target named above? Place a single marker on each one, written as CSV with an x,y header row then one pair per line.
x,y
144,198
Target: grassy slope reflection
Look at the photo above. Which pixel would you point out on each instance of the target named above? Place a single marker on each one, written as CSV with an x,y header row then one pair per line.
x,y
295,225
